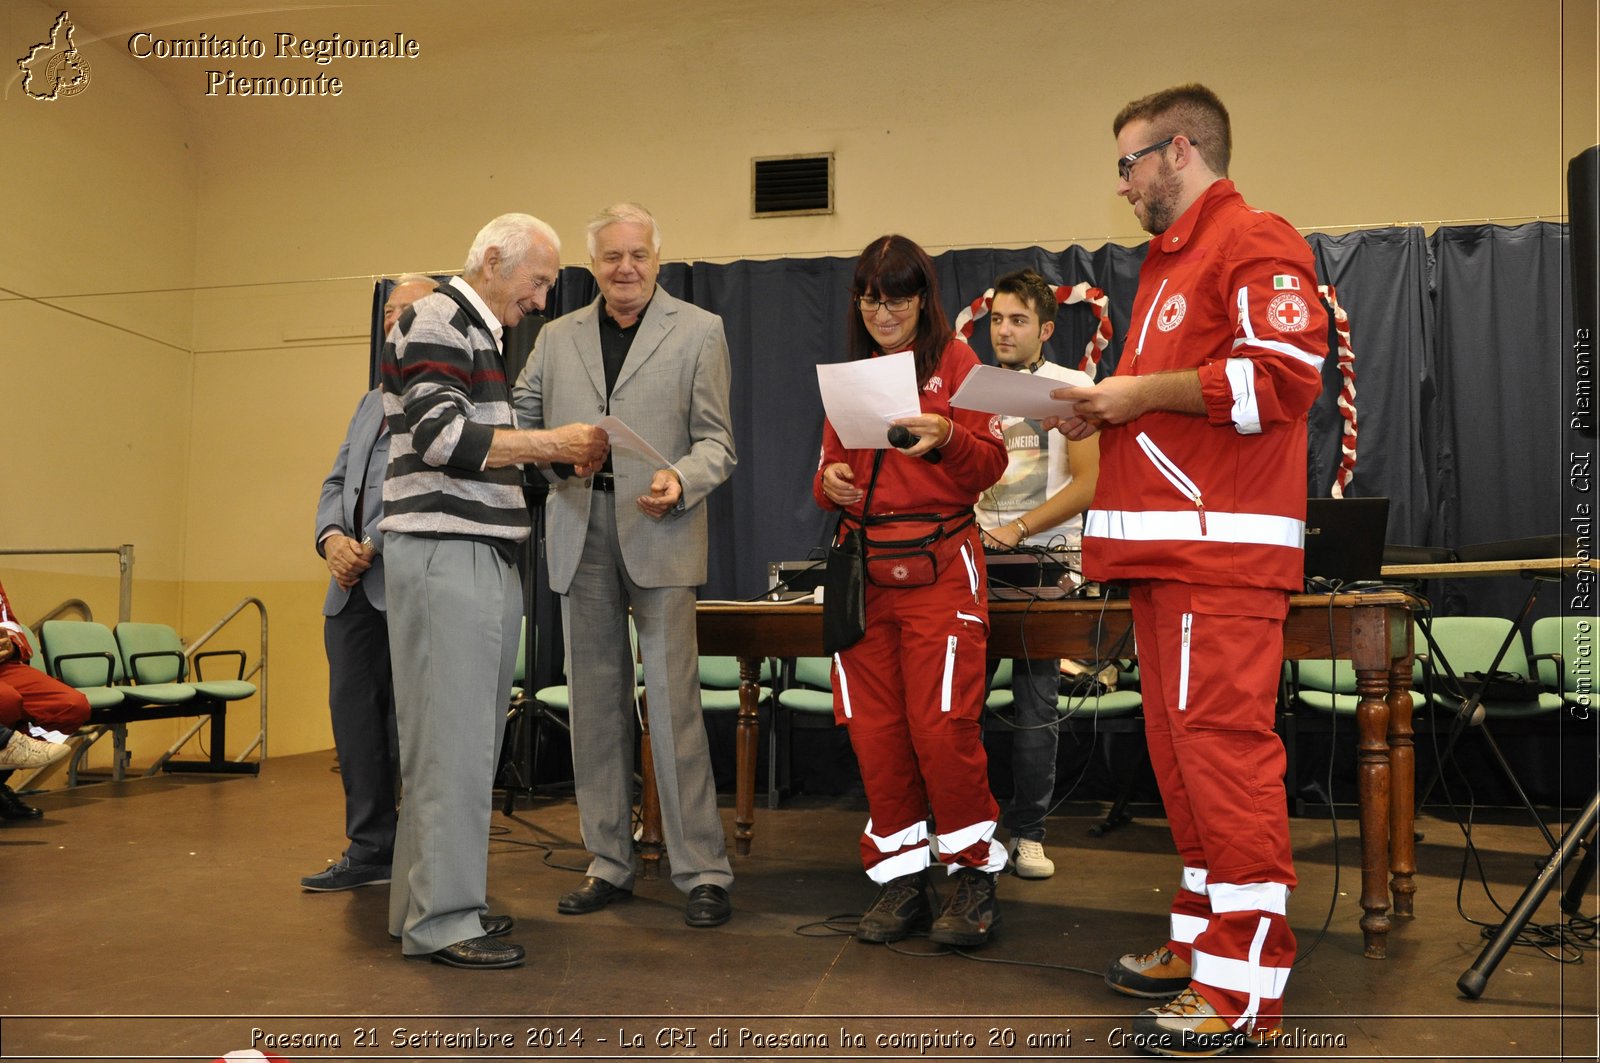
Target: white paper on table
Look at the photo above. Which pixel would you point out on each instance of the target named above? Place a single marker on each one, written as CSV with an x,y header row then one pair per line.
x,y
862,397
622,436
1014,393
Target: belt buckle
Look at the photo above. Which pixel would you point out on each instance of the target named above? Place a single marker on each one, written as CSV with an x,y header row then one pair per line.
x,y
603,481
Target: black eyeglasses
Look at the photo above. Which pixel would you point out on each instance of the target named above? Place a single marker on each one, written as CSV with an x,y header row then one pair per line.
x,y
895,304
1125,164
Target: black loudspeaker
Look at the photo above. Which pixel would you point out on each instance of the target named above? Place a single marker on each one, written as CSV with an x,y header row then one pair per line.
x,y
1583,214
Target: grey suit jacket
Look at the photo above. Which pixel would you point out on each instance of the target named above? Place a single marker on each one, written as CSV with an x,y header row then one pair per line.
x,y
361,451
672,391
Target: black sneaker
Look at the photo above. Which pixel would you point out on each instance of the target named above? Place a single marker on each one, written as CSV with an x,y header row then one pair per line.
x,y
971,913
903,904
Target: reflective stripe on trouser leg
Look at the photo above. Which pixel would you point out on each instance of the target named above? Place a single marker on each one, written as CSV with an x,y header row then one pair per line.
x,y
891,856
1191,912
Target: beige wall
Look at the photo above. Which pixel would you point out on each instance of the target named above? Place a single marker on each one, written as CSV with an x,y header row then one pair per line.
x,y
198,424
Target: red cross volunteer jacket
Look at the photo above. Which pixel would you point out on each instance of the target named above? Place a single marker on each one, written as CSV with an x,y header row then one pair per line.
x,y
1230,291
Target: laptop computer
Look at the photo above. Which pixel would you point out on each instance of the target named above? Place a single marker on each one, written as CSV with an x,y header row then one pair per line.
x,y
1344,539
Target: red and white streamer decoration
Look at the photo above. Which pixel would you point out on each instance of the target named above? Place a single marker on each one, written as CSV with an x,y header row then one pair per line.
x,y
1082,292
1347,392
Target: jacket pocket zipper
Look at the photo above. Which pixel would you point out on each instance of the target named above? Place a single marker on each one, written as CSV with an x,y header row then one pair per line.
x,y
1174,476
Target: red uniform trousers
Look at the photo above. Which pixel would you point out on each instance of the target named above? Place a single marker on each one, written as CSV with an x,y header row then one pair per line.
x,y
1209,661
28,694
911,693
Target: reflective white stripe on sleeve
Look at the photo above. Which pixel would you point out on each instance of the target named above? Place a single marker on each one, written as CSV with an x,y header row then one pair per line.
x,y
1250,339
1242,384
844,684
888,843
1186,928
1289,350
1249,897
1194,879
1263,529
1240,976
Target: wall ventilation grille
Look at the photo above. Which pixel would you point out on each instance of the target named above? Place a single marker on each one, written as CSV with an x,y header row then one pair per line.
x,y
786,185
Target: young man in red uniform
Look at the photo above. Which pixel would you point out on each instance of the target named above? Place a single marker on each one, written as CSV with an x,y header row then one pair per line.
x,y
1200,511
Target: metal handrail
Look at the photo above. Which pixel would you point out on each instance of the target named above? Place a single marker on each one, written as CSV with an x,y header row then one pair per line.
x,y
124,554
77,605
261,687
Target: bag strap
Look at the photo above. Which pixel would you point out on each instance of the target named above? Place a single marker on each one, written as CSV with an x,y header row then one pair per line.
x,y
866,503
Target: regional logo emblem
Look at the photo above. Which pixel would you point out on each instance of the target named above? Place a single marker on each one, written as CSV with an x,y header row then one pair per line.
x,y
55,68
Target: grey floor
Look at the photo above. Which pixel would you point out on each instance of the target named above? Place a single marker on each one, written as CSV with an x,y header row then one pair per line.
x,y
161,919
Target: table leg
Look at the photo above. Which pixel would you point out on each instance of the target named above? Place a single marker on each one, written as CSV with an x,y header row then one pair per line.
x,y
747,732
1403,784
1370,656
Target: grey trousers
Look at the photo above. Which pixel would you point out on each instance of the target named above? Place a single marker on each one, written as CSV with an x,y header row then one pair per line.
x,y
600,677
1034,686
455,613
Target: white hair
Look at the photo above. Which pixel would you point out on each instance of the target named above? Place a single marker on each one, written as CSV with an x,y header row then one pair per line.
x,y
513,234
624,212
416,278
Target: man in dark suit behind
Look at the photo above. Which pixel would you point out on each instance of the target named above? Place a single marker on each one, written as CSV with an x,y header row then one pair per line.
x,y
355,633
633,536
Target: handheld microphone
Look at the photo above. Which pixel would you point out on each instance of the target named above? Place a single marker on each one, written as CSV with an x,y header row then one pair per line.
x,y
900,437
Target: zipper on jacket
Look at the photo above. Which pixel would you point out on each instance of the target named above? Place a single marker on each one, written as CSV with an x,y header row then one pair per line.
x,y
1174,476
1148,314
1183,664
949,673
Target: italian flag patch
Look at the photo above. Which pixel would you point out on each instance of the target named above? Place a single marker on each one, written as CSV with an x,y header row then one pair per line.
x,y
1284,282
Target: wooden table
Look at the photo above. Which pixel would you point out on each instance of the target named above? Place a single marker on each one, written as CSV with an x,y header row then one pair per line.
x,y
1372,631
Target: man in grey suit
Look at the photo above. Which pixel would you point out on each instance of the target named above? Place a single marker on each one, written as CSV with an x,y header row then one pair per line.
x,y
454,517
634,536
355,633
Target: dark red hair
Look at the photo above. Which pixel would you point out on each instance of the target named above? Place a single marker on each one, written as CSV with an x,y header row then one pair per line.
x,y
893,267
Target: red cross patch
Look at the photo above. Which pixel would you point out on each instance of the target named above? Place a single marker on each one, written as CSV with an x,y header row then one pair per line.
x,y
1170,316
1289,312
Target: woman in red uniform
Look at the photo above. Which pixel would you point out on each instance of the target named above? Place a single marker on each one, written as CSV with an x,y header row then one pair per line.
x,y
911,691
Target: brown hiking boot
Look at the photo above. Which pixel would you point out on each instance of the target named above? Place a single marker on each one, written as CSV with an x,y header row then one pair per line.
x,y
1158,975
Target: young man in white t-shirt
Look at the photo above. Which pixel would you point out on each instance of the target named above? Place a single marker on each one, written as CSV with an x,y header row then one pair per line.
x,y
1039,502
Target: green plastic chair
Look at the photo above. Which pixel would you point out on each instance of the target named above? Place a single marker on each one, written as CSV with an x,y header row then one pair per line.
x,y
153,653
1564,657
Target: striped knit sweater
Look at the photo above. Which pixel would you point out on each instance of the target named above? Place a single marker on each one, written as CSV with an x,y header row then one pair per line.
x,y
444,394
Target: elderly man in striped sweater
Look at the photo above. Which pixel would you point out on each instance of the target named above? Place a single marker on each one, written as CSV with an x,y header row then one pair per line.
x,y
454,516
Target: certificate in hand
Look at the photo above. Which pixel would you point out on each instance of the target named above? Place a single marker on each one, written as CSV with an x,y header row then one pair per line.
x,y
1013,393
861,398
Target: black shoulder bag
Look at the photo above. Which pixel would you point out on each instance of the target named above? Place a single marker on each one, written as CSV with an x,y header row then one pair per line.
x,y
844,582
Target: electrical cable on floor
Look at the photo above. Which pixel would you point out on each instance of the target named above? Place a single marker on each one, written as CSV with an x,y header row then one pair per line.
x,y
1564,941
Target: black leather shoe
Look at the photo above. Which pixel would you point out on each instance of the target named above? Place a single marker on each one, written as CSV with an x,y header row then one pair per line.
x,y
495,926
593,895
708,906
12,807
483,952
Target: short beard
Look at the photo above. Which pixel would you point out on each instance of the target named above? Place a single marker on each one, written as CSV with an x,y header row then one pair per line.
x,y
1160,203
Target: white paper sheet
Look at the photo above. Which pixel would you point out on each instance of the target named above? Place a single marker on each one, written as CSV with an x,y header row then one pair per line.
x,y
862,397
1013,393
626,438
